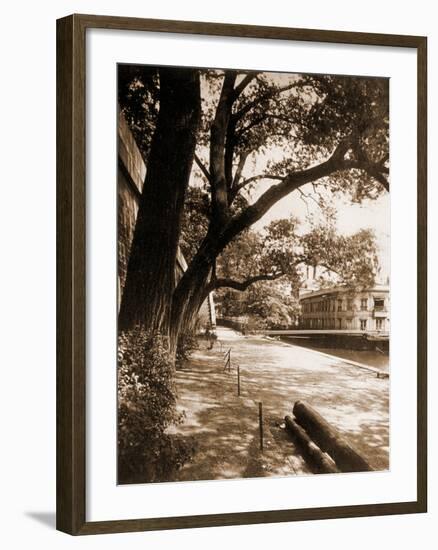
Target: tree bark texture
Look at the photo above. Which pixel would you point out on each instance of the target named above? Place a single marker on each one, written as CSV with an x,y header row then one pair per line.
x,y
150,279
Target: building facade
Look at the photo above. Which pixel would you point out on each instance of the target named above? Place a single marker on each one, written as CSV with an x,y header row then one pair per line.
x,y
341,308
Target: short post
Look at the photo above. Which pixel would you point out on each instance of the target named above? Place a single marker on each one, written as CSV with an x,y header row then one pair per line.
x,y
238,380
261,424
227,359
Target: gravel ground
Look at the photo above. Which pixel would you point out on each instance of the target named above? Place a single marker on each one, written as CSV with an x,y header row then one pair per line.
x,y
226,427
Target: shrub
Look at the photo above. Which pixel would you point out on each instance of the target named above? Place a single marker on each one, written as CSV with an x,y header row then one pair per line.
x,y
146,407
187,343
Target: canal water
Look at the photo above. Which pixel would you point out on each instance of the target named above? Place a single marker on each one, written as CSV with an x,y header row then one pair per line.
x,y
376,358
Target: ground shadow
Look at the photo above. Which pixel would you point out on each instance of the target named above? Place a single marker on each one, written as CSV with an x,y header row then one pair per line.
x,y
276,374
45,518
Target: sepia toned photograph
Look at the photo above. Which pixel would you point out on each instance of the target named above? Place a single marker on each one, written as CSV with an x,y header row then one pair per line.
x,y
253,274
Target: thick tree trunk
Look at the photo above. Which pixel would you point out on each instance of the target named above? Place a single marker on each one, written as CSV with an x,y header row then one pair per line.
x,y
193,287
187,300
150,279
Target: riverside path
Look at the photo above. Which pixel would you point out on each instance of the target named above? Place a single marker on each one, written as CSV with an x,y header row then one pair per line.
x,y
225,426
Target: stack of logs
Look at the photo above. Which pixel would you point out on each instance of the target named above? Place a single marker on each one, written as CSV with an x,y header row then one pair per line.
x,y
321,443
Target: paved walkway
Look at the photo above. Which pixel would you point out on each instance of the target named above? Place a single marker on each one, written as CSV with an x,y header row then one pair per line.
x,y
277,374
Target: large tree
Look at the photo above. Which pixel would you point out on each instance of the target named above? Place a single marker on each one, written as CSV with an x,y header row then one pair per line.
x,y
150,279
261,137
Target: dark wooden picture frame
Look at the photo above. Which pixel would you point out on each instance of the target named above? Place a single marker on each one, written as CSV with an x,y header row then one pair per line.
x,y
71,274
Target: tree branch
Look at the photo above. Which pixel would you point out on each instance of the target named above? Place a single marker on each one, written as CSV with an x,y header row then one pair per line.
x,y
243,285
337,162
288,183
231,140
230,145
305,196
247,181
203,168
268,95
218,135
243,84
238,174
255,122
241,131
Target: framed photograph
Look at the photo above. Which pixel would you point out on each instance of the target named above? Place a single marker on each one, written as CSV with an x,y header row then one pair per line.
x,y
241,274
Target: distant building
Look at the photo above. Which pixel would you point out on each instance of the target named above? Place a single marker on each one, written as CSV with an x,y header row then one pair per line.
x,y
341,308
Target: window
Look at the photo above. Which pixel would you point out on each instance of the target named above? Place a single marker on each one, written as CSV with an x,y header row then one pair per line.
x,y
364,304
379,304
339,305
379,324
363,324
350,304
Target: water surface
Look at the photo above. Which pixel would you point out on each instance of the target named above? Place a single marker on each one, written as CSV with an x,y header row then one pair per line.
x,y
372,358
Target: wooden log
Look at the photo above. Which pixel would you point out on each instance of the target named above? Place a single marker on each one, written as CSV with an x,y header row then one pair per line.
x,y
311,451
329,439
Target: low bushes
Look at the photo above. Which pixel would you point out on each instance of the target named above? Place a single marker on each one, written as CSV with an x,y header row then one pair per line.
x,y
187,343
146,408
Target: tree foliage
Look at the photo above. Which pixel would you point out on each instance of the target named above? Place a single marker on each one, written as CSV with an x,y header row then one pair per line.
x,y
271,267
346,259
139,99
303,118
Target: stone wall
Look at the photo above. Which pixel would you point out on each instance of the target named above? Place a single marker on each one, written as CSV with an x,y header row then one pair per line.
x,y
131,171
